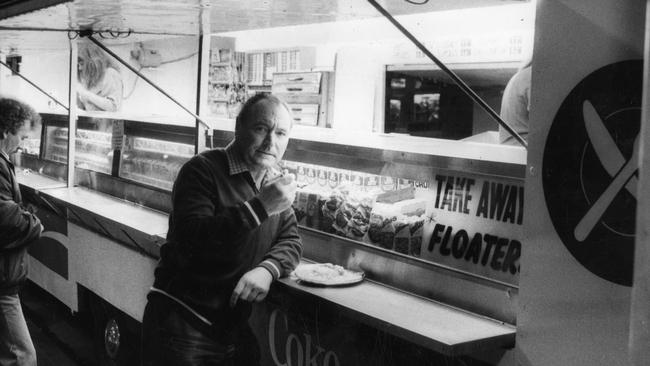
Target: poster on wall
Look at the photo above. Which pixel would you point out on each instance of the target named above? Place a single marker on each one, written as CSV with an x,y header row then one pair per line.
x,y
100,86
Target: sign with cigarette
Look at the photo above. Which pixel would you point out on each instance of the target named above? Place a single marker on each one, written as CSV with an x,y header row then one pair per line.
x,y
590,169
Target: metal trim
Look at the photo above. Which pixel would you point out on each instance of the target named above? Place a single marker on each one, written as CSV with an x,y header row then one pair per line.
x,y
401,164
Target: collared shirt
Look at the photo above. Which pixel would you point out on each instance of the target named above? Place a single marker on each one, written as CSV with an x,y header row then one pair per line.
x,y
237,165
4,154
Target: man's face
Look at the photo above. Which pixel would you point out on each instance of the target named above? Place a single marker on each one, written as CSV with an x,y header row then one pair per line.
x,y
12,142
264,136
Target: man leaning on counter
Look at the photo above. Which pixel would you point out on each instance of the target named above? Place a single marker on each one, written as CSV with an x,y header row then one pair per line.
x,y
232,232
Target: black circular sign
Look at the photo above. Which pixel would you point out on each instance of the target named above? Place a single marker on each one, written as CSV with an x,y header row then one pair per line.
x,y
589,170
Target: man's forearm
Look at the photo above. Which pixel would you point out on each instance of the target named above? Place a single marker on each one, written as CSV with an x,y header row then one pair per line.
x,y
17,226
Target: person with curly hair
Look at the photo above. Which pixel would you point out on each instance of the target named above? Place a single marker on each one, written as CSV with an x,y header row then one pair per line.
x,y
100,85
18,228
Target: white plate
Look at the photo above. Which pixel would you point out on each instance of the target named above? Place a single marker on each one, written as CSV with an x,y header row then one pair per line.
x,y
327,274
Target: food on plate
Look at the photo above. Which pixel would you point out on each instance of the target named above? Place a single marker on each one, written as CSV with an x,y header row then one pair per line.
x,y
327,274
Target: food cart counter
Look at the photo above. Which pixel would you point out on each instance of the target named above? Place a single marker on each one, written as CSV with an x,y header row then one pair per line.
x,y
441,263
430,324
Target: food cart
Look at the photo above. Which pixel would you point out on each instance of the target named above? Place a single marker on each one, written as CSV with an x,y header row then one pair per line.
x,y
468,247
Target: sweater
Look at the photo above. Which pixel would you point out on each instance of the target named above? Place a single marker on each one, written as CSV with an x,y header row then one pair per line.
x,y
218,231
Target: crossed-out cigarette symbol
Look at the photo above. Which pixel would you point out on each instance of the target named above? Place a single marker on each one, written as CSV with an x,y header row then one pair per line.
x,y
610,156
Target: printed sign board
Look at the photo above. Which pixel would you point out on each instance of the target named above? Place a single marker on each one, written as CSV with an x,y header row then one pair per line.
x,y
587,87
476,225
590,169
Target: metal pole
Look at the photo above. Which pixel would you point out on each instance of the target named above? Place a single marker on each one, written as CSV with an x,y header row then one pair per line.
x,y
34,85
72,114
204,44
88,34
449,72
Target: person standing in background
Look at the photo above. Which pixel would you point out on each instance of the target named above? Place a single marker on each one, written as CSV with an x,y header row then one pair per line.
x,y
18,228
232,232
515,105
100,85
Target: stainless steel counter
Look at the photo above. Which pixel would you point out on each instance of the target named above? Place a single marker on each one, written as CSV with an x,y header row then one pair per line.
x,y
129,224
442,328
422,321
139,218
402,156
37,181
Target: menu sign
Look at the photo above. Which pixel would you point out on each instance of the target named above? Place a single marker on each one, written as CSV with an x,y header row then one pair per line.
x,y
475,224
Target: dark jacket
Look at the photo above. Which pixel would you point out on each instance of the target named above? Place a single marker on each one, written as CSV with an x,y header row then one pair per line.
x,y
219,230
18,228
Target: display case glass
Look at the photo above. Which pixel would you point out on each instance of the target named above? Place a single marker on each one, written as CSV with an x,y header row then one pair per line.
x,y
93,149
153,154
461,220
153,162
399,197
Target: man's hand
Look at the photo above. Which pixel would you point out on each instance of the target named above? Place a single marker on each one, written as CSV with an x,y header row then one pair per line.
x,y
252,286
278,194
31,208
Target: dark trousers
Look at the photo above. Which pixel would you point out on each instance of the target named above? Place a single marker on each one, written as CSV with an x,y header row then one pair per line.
x,y
173,336
16,347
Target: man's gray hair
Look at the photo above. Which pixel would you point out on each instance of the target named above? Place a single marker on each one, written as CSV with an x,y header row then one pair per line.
x,y
245,112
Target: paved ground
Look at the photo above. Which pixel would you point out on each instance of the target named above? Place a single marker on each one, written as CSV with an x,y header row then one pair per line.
x,y
60,338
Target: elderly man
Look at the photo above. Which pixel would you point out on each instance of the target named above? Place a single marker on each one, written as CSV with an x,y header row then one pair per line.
x,y
231,233
18,228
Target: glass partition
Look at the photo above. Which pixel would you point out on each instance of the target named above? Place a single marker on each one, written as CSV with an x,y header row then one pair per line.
x,y
93,144
377,80
22,82
153,162
461,220
152,154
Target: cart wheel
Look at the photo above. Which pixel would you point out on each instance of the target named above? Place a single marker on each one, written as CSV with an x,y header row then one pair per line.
x,y
114,344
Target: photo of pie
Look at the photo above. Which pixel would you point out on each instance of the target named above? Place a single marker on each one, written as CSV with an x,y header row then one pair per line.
x,y
327,274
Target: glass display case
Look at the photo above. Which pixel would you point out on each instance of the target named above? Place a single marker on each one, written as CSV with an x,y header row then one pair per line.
x,y
153,162
146,153
153,154
93,149
427,216
373,209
